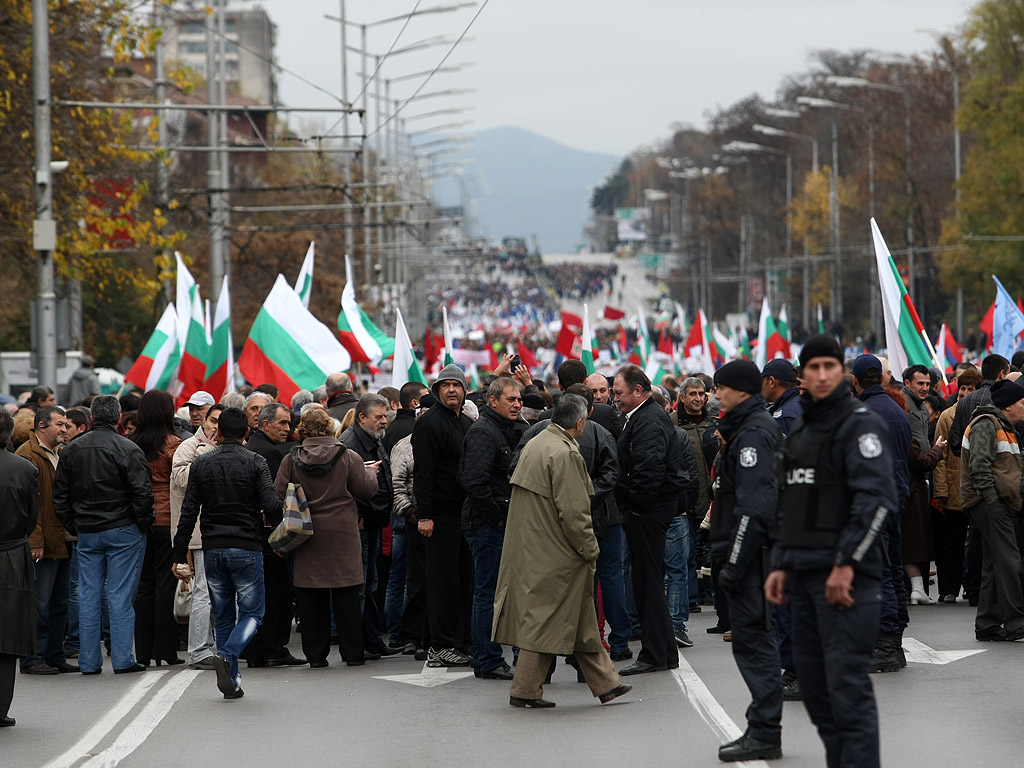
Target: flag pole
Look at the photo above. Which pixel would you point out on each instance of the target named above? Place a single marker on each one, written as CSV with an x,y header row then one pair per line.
x,y
935,357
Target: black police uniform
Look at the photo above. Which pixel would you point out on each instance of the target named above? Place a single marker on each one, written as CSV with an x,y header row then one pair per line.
x,y
743,516
837,494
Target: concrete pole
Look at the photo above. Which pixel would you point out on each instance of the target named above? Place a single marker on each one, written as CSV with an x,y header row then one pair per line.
x,y
44,230
347,217
225,167
213,169
162,171
910,207
836,310
367,187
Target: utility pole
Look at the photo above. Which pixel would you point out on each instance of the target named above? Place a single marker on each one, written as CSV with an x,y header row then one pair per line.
x,y
162,172
833,197
347,105
44,229
367,199
213,173
225,169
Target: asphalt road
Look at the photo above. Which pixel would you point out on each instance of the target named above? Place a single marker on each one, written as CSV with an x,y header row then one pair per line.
x,y
964,711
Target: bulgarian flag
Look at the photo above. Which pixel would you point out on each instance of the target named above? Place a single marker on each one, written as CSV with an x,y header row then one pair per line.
x,y
723,349
699,345
682,329
765,330
194,357
588,349
155,367
949,351
406,367
185,287
304,285
220,367
821,320
782,328
289,347
448,347
907,342
365,342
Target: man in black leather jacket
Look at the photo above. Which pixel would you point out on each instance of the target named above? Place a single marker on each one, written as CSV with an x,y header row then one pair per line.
x,y
103,492
650,481
364,437
233,487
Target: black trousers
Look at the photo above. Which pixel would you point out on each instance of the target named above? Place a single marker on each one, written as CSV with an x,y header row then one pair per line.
x,y
414,627
449,585
645,534
155,627
271,639
951,558
756,651
8,668
1001,601
832,647
315,622
972,585
719,554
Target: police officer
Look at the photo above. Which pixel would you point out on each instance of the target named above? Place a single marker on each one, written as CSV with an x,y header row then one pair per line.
x,y
836,496
743,514
778,385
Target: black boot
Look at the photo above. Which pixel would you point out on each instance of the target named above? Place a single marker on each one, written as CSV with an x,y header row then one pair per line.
x,y
885,657
748,748
899,649
791,686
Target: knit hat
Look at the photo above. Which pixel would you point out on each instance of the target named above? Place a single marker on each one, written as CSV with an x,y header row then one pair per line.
x,y
820,345
450,372
866,363
1006,393
741,375
780,369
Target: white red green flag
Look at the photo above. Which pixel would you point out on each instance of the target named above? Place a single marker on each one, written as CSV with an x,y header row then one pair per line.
x,y
406,366
821,320
782,327
156,366
289,347
905,338
588,350
698,344
220,368
304,284
185,288
365,342
448,357
724,348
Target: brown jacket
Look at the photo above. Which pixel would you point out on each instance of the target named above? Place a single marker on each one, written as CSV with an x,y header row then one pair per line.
x,y
990,468
946,477
49,533
333,555
161,469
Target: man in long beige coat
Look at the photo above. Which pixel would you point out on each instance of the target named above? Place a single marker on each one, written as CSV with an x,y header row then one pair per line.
x,y
544,602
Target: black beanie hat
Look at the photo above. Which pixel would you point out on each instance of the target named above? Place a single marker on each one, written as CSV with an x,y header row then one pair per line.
x,y
820,345
1006,393
739,374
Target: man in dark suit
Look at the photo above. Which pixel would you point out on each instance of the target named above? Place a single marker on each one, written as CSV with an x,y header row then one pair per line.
x,y
650,481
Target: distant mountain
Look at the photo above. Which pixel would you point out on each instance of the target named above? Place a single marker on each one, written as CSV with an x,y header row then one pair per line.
x,y
530,185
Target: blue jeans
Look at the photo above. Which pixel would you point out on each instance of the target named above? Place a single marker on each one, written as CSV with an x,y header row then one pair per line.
x,y
485,543
52,580
235,579
677,590
114,556
394,600
71,641
613,589
692,582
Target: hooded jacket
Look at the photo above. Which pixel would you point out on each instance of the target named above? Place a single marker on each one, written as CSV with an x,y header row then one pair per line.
x,y
437,441
990,461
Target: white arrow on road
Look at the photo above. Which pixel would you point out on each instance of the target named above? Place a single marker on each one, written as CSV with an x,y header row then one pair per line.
x,y
429,677
922,654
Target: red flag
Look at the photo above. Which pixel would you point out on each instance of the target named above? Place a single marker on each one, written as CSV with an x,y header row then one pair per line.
x,y
431,348
575,322
665,343
494,358
526,356
569,344
986,325
610,313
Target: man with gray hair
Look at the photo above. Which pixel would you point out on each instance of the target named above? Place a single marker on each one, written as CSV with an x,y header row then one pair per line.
x,y
300,398
364,437
320,395
544,602
253,403
340,397
103,492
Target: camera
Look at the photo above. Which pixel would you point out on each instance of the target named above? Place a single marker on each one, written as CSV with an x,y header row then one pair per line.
x,y
514,363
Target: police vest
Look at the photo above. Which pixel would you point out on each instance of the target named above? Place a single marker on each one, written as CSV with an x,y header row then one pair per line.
x,y
814,498
723,513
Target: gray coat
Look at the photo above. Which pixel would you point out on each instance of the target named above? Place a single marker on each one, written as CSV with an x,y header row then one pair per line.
x,y
333,555
19,515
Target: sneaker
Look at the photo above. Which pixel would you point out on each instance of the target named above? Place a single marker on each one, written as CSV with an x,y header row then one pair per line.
x,y
682,639
447,657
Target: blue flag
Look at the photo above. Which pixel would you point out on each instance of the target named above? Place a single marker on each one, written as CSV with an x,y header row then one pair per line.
x,y
1007,322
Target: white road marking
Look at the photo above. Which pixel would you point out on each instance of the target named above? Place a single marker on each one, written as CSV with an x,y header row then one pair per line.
x,y
709,709
917,651
138,730
106,723
429,677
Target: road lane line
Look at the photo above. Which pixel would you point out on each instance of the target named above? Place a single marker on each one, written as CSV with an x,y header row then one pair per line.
x,y
106,723
708,708
138,730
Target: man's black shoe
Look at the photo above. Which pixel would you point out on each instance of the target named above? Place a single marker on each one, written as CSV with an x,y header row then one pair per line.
x,y
640,668
387,650
369,656
995,634
515,701
621,655
682,639
717,630
747,748
694,608
1017,634
421,654
318,664
502,672
408,649
225,683
6,722
256,664
136,667
286,661
791,687
63,666
235,694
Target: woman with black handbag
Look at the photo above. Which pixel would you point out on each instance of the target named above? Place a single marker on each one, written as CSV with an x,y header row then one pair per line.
x,y
328,566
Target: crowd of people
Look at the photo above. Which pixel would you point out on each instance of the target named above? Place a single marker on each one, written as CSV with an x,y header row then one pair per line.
x,y
453,525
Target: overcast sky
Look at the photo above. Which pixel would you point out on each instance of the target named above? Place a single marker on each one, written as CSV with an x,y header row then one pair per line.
x,y
599,75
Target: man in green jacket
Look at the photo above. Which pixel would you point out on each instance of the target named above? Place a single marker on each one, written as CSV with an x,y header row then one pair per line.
x,y
544,602
990,477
